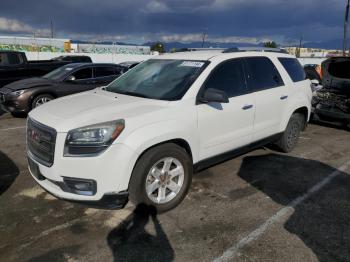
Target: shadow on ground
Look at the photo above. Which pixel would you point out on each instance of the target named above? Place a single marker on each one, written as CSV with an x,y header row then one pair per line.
x,y
131,242
8,172
322,221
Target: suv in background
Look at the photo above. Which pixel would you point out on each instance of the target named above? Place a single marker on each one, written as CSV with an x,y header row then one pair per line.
x,y
144,135
22,96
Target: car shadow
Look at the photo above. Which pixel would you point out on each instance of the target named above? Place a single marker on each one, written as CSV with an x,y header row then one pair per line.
x,y
322,221
131,242
8,172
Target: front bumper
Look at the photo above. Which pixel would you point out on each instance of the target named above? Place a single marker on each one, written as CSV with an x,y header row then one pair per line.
x,y
14,104
109,171
330,114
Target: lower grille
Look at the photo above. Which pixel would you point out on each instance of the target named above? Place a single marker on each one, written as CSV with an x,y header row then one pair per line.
x,y
41,141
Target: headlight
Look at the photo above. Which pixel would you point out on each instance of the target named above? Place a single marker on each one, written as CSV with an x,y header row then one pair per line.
x,y
18,93
91,140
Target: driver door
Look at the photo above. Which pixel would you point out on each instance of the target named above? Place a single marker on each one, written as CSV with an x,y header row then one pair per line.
x,y
78,81
226,126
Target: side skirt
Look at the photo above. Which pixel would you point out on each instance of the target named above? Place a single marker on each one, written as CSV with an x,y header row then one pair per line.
x,y
209,162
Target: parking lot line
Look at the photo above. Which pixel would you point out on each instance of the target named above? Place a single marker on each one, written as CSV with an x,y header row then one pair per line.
x,y
12,128
231,252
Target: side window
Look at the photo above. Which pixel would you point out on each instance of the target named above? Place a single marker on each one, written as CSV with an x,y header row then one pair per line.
x,y
13,59
294,69
104,71
229,77
81,74
262,74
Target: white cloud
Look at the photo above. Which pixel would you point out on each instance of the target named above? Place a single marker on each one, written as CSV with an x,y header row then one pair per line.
x,y
15,26
157,7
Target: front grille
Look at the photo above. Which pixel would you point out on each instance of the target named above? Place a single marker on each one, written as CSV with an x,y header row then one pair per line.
x,y
41,141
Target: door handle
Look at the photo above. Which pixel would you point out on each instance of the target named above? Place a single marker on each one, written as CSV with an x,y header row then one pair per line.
x,y
283,97
246,107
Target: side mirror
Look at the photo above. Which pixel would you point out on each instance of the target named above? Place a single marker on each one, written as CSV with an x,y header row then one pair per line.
x,y
315,82
214,95
70,78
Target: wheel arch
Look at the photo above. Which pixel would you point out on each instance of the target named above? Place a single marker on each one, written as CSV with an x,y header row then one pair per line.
x,y
39,93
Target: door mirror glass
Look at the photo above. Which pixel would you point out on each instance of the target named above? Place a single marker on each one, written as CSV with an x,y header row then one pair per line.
x,y
214,95
70,78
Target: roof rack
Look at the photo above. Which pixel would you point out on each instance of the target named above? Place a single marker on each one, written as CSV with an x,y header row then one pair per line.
x,y
256,49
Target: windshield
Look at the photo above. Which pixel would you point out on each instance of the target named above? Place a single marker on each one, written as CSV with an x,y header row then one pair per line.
x,y
59,72
158,79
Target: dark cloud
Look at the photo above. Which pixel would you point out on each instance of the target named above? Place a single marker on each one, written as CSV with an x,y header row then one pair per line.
x,y
315,20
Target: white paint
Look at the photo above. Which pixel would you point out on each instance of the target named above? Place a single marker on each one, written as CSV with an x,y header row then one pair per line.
x,y
96,58
230,253
12,128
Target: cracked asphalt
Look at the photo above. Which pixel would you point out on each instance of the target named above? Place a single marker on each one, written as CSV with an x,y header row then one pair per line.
x,y
261,206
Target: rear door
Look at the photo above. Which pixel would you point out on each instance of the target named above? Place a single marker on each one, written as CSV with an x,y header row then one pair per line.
x,y
226,126
270,95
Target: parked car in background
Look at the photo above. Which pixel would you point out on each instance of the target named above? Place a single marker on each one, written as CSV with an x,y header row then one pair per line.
x,y
73,58
332,102
141,137
15,66
24,95
129,64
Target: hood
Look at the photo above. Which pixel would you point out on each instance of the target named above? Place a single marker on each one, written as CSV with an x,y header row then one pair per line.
x,y
93,107
336,75
29,83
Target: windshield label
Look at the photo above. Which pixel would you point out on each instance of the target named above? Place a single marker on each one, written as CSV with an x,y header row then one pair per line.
x,y
192,64
69,69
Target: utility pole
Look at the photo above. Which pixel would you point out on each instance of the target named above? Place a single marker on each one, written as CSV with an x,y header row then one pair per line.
x,y
204,35
51,26
345,42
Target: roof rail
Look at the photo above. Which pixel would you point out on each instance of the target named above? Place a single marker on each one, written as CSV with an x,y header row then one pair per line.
x,y
256,49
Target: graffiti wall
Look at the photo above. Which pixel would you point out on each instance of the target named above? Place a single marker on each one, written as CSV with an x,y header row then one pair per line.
x,y
113,49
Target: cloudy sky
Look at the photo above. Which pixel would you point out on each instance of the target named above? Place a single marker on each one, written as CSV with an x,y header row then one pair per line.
x,y
139,21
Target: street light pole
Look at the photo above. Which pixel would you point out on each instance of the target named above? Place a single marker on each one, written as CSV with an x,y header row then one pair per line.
x,y
345,43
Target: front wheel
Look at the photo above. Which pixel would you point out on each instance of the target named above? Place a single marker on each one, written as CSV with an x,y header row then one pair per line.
x,y
41,99
162,177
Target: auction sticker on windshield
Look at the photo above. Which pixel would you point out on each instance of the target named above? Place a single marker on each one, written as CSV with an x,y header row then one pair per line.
x,y
192,64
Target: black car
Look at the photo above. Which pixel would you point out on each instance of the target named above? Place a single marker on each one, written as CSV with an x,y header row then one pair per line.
x,y
21,96
331,103
15,66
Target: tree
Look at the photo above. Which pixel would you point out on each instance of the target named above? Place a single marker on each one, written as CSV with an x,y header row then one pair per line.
x,y
159,47
270,44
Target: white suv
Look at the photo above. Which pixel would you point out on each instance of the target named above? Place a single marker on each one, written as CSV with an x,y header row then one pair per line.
x,y
144,135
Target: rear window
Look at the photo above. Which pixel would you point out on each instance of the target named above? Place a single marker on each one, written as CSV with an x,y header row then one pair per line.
x,y
294,68
104,71
262,74
340,69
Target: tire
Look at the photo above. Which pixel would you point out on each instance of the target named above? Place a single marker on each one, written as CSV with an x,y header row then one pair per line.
x,y
18,114
161,191
290,137
41,99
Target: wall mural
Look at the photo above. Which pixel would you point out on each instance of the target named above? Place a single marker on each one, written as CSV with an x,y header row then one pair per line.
x,y
31,48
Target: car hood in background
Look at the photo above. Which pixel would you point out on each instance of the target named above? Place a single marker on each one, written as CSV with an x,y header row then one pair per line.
x,y
93,107
29,83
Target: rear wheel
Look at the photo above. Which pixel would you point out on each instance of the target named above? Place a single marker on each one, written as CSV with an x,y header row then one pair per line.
x,y
41,99
290,137
161,177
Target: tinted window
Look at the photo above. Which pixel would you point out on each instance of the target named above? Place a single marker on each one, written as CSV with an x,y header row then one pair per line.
x,y
294,69
262,74
228,77
13,59
104,71
83,74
